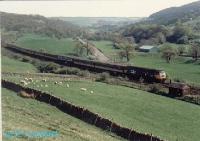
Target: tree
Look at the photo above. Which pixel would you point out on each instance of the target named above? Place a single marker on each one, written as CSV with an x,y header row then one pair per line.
x,y
181,50
180,34
168,52
87,47
127,49
195,50
79,48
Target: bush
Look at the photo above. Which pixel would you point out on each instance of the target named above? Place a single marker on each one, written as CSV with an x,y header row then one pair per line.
x,y
155,88
103,77
48,67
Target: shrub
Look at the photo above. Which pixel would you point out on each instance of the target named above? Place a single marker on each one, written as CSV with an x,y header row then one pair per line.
x,y
103,77
48,67
155,88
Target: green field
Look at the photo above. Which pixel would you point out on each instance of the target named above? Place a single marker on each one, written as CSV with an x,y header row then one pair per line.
x,y
47,44
12,65
168,118
31,115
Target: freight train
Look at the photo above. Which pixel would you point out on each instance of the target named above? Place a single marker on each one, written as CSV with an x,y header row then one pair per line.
x,y
132,72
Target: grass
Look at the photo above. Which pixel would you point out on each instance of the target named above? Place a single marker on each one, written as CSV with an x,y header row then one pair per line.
x,y
47,44
11,65
30,115
168,118
105,46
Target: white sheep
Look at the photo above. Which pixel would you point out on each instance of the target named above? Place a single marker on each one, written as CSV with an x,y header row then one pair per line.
x,y
91,92
30,79
56,82
67,85
83,89
46,85
44,80
26,79
60,83
23,82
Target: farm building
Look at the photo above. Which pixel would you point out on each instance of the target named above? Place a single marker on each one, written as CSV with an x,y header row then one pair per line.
x,y
148,48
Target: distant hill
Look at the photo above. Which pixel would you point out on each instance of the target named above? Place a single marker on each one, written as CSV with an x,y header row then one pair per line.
x,y
39,25
172,15
99,21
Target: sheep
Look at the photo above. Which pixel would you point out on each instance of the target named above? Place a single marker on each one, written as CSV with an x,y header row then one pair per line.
x,y
46,85
56,82
44,80
60,83
83,89
26,79
23,82
91,92
67,85
30,79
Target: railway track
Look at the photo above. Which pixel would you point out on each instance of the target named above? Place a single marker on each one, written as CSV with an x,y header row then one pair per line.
x,y
131,72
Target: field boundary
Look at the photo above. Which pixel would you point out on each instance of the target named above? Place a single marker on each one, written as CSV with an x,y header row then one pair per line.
x,y
82,113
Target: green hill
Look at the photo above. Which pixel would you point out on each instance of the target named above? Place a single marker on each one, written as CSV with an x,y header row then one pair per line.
x,y
171,15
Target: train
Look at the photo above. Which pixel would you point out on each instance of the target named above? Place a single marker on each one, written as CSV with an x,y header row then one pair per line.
x,y
131,72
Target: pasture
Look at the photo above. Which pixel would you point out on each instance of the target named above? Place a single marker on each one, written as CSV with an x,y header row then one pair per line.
x,y
46,44
12,65
30,115
145,112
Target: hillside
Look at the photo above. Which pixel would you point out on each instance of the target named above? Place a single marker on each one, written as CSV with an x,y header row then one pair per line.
x,y
173,14
132,108
30,116
38,24
99,21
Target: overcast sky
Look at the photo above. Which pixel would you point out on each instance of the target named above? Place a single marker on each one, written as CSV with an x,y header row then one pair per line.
x,y
90,8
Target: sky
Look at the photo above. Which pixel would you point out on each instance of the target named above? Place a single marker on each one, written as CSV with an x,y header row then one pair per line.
x,y
90,8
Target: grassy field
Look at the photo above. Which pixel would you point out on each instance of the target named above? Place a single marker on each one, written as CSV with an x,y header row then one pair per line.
x,y
106,47
31,115
51,45
11,65
168,118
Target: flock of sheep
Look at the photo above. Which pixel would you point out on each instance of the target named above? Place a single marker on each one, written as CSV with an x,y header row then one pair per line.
x,y
26,81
